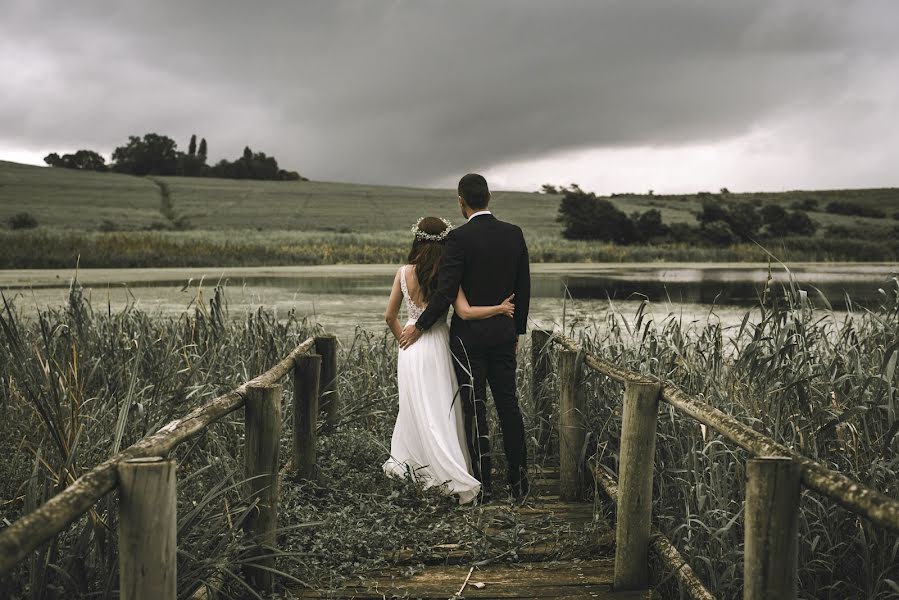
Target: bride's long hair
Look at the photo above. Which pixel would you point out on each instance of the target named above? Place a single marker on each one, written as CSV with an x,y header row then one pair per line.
x,y
427,252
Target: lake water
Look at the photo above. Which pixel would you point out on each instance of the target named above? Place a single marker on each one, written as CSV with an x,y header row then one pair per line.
x,y
343,297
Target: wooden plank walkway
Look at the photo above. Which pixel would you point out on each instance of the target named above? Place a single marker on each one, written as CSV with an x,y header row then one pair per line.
x,y
552,562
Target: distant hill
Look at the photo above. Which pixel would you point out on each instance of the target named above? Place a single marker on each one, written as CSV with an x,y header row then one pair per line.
x,y
70,199
67,199
216,204
183,221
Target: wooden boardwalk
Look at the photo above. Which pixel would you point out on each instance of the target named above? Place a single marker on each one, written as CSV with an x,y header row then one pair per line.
x,y
572,559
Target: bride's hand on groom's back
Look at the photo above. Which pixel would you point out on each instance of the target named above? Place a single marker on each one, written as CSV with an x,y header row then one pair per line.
x,y
507,308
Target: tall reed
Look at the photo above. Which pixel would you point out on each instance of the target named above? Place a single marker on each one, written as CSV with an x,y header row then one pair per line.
x,y
78,384
821,382
79,381
54,248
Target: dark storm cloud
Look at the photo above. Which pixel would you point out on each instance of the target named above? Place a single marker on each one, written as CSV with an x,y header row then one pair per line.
x,y
409,92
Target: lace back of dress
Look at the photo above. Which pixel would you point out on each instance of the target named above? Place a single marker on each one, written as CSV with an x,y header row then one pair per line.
x,y
412,308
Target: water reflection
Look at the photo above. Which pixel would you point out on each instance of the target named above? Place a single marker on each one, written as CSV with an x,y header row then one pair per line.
x,y
712,291
344,297
735,286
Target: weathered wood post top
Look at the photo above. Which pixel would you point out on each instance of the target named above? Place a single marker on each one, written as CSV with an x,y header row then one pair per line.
x,y
147,529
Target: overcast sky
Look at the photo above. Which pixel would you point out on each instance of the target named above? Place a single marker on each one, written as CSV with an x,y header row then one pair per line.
x,y
618,96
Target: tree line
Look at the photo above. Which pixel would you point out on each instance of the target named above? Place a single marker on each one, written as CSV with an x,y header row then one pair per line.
x,y
585,216
155,154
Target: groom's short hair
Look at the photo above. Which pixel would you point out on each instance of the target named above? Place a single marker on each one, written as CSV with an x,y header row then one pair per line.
x,y
473,189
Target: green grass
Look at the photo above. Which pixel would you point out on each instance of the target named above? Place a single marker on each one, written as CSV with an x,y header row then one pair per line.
x,y
248,223
76,200
340,207
225,204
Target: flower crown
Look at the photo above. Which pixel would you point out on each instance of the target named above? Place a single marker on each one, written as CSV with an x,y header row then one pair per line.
x,y
431,237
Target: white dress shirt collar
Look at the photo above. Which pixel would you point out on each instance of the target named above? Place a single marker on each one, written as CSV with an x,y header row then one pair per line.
x,y
479,213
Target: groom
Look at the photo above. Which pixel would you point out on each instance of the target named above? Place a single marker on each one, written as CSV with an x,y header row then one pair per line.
x,y
489,259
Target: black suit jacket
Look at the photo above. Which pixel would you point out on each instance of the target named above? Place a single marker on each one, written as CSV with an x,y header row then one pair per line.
x,y
489,259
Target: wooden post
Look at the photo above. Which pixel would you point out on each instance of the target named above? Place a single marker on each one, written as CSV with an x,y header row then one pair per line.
x,y
262,415
329,397
636,458
147,529
572,431
540,369
306,378
771,528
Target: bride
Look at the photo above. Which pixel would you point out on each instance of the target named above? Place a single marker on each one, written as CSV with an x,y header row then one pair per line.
x,y
429,437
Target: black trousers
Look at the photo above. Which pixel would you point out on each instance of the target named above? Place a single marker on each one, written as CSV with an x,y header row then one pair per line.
x,y
476,366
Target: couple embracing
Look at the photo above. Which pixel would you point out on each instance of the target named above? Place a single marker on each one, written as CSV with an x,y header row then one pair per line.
x,y
481,269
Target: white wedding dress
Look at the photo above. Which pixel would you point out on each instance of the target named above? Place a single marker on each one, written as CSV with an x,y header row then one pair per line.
x,y
429,438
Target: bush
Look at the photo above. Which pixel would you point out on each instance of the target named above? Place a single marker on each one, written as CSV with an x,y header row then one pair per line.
x,y
649,225
684,233
742,219
809,204
851,209
290,176
719,232
106,226
711,211
587,217
780,223
799,223
23,220
772,214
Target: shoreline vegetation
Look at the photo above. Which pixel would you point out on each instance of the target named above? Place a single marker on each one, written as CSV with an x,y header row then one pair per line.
x,y
48,248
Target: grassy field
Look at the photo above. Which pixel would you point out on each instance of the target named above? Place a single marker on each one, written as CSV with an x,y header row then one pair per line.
x,y
120,220
76,200
218,204
224,204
